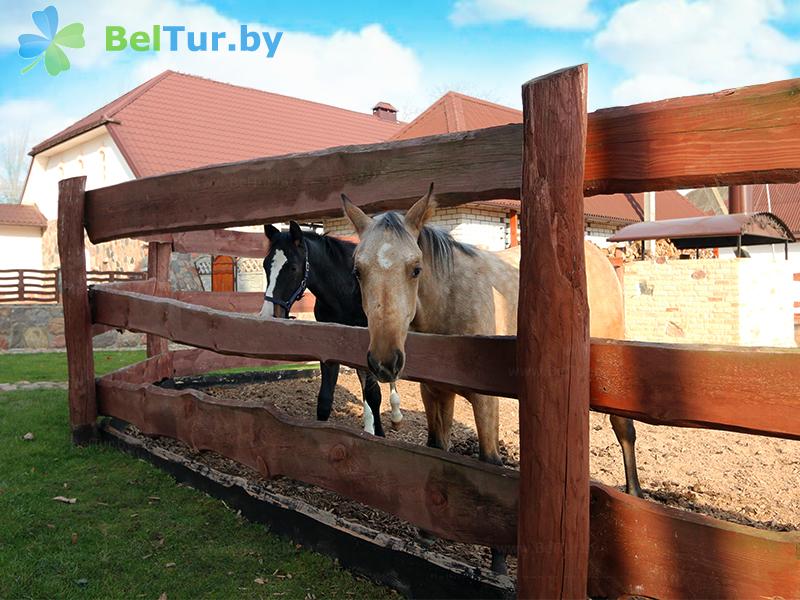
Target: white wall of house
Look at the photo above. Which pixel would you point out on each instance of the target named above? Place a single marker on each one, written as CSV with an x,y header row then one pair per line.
x,y
93,154
20,247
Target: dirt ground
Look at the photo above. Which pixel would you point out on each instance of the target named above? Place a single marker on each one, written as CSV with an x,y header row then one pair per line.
x,y
740,478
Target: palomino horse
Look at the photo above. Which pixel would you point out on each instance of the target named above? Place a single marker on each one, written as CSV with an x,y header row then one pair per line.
x,y
419,277
300,259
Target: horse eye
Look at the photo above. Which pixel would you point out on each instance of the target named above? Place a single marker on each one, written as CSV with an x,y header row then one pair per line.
x,y
416,271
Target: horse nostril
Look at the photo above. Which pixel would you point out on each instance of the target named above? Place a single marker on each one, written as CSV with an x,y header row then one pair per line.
x,y
398,362
372,364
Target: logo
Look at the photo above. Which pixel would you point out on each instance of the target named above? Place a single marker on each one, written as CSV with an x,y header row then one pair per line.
x,y
48,45
177,38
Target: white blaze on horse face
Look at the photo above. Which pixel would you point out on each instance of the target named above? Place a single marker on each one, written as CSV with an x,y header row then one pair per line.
x,y
278,261
384,259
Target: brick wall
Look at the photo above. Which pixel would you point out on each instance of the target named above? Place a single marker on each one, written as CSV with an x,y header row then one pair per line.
x,y
708,301
484,227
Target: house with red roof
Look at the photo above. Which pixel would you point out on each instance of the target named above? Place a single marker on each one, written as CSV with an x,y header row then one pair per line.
x,y
175,122
21,228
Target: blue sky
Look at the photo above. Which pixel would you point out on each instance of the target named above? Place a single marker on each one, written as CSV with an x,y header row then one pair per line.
x,y
409,52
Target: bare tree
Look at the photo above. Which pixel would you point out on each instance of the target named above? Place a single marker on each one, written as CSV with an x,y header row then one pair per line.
x,y
13,165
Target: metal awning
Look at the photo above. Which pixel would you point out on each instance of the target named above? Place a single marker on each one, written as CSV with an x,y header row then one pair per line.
x,y
719,231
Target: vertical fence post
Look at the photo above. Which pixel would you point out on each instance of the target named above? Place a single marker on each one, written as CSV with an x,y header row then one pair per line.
x,y
77,313
553,342
159,255
57,280
21,285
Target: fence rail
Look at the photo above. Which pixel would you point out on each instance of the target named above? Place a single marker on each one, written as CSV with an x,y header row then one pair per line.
x,y
38,285
29,285
751,390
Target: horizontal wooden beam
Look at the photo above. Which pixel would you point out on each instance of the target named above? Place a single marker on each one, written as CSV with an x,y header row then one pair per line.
x,y
646,550
744,135
216,241
448,360
466,166
737,389
736,136
454,497
752,390
239,302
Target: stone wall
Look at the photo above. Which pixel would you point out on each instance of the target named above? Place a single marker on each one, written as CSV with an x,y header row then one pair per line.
x,y
41,326
709,301
119,255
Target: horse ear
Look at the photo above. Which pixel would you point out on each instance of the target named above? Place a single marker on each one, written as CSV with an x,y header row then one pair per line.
x,y
418,215
357,217
295,232
271,231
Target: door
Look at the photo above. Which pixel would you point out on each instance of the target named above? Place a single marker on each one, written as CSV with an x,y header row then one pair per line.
x,y
223,274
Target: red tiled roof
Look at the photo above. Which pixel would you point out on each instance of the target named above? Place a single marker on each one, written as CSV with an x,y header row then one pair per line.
x,y
23,215
629,208
785,202
457,112
176,121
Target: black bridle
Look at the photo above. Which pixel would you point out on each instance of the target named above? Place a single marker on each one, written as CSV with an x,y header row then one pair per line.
x,y
298,293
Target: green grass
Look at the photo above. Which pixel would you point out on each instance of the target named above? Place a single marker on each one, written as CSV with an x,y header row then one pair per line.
x,y
129,523
52,366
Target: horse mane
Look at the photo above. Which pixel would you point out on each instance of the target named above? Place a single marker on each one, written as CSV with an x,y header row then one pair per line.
x,y
336,249
434,242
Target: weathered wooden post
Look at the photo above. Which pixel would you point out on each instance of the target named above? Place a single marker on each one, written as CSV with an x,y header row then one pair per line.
x,y
553,342
77,314
159,255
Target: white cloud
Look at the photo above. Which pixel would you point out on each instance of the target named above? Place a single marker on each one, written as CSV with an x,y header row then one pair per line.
x,y
350,69
677,47
565,14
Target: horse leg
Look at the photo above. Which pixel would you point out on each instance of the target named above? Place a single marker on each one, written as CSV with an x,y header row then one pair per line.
x,y
626,436
486,410
330,375
371,392
439,404
394,402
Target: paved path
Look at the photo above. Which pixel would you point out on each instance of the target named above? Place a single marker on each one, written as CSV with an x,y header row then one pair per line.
x,y
36,385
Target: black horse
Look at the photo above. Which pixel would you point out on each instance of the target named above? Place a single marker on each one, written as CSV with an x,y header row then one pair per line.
x,y
300,260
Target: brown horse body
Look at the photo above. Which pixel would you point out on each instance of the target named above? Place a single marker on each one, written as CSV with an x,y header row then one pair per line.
x,y
418,278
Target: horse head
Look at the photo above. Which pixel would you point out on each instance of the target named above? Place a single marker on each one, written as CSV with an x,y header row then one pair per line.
x,y
286,267
388,264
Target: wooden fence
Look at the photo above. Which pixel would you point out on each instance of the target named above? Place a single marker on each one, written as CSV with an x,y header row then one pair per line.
x,y
573,536
29,285
37,285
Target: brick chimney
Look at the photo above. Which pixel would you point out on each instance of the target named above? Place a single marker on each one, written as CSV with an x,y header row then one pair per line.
x,y
385,112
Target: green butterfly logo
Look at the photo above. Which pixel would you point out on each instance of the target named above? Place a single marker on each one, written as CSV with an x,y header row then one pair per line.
x,y
48,45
